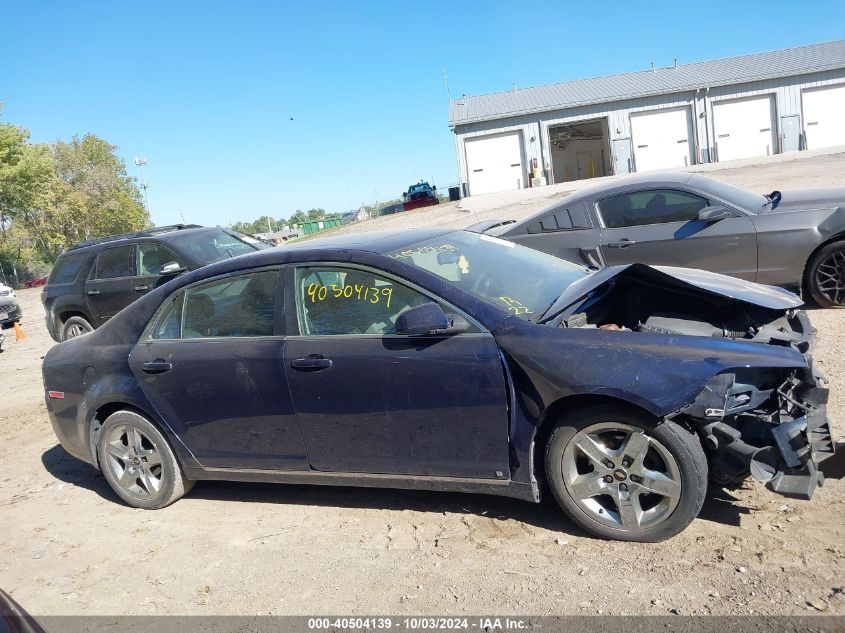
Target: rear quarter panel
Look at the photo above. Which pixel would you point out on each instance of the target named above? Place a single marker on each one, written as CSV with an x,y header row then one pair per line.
x,y
786,240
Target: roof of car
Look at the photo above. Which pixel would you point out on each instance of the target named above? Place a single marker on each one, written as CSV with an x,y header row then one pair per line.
x,y
163,233
373,241
653,177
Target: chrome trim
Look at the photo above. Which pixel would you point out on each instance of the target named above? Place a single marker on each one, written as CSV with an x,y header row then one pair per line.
x,y
332,475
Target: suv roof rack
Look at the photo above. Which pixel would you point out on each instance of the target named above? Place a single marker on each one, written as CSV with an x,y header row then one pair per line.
x,y
125,236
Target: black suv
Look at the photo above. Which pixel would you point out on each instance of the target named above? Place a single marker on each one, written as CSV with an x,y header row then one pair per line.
x,y
94,280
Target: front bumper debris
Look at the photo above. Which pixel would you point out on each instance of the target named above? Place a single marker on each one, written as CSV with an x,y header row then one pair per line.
x,y
779,435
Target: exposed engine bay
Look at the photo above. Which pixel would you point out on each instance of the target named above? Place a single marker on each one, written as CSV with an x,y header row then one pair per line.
x,y
647,306
768,423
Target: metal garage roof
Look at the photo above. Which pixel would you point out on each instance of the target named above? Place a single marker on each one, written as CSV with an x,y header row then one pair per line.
x,y
731,70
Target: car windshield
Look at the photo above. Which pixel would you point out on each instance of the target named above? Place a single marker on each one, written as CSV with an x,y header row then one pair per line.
x,y
213,245
520,280
747,200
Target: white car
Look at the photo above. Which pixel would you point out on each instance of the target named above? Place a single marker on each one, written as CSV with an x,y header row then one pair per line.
x,y
10,310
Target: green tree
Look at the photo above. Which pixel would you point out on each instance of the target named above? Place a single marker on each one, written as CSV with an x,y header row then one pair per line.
x,y
54,196
93,194
25,175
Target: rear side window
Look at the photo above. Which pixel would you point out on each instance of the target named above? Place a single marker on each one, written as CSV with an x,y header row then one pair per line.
x,y
169,321
655,206
570,219
67,268
115,262
241,305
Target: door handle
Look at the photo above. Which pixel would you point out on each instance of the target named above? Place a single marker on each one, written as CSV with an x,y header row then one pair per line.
x,y
141,288
93,292
157,366
624,243
314,362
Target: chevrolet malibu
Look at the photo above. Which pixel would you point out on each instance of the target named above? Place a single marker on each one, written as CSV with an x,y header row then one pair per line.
x,y
450,360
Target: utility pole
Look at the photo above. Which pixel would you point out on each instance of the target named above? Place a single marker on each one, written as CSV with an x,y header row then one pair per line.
x,y
139,163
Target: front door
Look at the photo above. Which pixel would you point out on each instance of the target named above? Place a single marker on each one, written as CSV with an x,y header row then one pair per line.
x,y
109,287
211,364
661,227
372,401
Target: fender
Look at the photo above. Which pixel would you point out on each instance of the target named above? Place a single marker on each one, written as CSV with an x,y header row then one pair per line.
x,y
657,373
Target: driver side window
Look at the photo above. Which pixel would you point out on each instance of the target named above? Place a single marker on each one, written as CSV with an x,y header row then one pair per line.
x,y
654,206
335,301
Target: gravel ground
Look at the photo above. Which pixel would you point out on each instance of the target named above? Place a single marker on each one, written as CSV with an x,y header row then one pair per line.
x,y
69,547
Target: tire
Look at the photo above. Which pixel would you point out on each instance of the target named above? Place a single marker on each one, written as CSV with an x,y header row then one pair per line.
x,y
825,278
75,326
138,462
606,499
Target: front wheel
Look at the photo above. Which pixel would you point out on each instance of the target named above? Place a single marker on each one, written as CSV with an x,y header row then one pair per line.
x,y
622,474
826,276
138,462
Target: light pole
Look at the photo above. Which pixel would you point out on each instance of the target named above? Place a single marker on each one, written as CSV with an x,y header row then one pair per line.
x,y
139,163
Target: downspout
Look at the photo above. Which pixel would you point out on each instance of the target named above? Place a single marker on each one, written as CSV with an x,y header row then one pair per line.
x,y
542,154
707,125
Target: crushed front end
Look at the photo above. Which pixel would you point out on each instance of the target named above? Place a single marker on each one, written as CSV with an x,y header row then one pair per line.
x,y
768,423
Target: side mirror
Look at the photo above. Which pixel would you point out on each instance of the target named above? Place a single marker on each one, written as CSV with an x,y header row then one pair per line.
x,y
714,213
429,319
172,268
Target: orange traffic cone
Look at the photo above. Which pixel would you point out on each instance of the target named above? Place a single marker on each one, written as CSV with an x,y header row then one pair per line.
x,y
19,335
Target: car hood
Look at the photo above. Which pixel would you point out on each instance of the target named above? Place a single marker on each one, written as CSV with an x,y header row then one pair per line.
x,y
807,199
713,283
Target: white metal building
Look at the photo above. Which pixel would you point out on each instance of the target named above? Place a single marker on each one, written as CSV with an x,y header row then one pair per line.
x,y
738,107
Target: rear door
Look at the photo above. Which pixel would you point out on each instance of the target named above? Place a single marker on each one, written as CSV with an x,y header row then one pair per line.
x,y
211,364
109,286
372,401
661,227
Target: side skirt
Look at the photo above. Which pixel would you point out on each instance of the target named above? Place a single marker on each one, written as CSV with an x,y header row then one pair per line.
x,y
512,489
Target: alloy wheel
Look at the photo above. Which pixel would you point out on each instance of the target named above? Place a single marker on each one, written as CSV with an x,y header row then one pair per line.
x,y
830,277
75,330
134,461
621,477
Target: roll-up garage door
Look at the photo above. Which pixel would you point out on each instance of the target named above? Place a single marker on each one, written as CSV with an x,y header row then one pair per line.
x,y
662,139
494,163
824,116
743,128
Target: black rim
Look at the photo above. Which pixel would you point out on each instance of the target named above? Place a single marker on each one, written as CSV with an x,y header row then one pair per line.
x,y
830,277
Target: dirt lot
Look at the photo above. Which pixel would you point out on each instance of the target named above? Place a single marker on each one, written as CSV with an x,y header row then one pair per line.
x,y
68,546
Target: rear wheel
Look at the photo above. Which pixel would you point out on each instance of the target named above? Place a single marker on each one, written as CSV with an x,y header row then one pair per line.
x,y
622,474
138,462
75,326
826,276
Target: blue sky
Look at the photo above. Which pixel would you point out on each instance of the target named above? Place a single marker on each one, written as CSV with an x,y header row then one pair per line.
x,y
251,108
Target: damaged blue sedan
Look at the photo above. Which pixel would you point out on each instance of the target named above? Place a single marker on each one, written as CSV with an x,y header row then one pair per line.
x,y
450,360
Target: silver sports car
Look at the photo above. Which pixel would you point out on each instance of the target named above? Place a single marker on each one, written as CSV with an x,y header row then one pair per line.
x,y
794,239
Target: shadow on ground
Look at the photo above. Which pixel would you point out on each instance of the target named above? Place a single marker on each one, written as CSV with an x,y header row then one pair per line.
x,y
544,515
720,505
